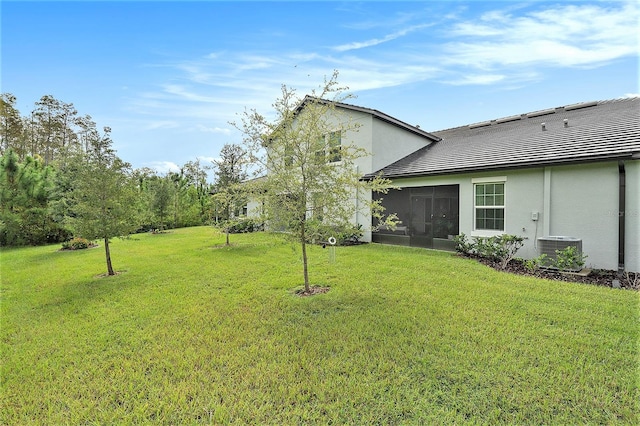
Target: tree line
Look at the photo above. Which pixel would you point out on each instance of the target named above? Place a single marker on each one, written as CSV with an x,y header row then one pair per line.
x,y
60,177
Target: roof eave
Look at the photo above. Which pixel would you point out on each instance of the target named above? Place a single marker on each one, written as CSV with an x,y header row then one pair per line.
x,y
512,166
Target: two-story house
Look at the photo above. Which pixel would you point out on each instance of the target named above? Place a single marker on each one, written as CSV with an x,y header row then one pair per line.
x,y
560,175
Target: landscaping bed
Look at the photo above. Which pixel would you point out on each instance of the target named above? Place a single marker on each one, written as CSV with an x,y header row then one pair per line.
x,y
600,277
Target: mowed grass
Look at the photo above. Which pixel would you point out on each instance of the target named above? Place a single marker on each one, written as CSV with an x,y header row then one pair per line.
x,y
192,332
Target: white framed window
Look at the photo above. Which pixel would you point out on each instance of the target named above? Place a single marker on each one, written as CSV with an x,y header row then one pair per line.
x,y
489,204
330,148
335,147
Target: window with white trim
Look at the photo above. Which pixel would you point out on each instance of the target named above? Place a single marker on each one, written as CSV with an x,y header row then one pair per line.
x,y
335,147
489,206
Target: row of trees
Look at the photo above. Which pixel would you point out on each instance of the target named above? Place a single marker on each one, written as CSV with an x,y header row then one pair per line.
x,y
60,177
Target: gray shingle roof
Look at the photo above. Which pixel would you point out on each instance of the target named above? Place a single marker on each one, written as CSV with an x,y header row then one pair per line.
x,y
375,113
594,131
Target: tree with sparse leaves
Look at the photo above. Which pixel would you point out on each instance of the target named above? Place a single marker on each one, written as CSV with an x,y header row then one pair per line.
x,y
310,180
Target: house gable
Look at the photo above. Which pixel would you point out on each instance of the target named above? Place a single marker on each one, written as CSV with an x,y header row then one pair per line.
x,y
384,137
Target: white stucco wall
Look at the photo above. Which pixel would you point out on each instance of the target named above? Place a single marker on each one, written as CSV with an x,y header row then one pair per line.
x,y
385,142
632,216
391,143
578,201
584,204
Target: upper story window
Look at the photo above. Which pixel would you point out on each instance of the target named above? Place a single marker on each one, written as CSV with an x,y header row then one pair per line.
x,y
489,205
331,151
335,147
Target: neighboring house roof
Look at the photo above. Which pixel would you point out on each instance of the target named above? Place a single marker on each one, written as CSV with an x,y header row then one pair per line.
x,y
585,132
375,113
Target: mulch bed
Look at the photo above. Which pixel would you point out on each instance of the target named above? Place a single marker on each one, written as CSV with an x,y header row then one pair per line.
x,y
91,246
313,290
601,277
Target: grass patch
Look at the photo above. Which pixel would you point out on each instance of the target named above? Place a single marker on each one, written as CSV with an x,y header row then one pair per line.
x,y
198,333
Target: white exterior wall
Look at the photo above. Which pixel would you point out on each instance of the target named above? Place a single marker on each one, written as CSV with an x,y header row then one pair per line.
x,y
254,209
384,143
584,204
632,216
578,201
391,143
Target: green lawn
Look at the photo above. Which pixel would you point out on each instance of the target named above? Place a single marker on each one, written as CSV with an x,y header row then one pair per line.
x,y
192,332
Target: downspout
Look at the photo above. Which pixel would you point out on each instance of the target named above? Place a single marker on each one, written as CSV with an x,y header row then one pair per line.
x,y
621,214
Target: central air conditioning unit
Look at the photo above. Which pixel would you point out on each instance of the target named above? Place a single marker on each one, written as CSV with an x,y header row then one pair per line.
x,y
549,245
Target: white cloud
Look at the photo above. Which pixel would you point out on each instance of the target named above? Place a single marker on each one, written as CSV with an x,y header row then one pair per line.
x,y
162,124
182,92
376,41
561,36
163,167
479,79
202,128
506,47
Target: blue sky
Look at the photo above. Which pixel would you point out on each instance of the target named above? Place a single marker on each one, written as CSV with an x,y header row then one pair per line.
x,y
167,77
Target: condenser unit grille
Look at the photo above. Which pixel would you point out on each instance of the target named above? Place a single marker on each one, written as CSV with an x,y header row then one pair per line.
x,y
549,245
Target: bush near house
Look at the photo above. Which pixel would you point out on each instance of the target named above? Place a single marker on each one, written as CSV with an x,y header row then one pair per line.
x,y
501,248
344,236
241,225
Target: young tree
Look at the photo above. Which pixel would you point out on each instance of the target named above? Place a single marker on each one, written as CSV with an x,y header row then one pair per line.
x,y
229,194
196,175
161,201
310,179
103,196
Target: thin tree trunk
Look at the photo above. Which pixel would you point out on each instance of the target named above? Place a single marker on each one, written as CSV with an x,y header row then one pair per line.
x,y
108,255
305,268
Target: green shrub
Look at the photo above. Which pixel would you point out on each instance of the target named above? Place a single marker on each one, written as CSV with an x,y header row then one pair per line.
x,y
76,244
569,259
500,248
241,225
350,235
463,246
343,235
534,264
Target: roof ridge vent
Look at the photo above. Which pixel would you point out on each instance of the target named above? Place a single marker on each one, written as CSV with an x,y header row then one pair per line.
x,y
580,105
541,112
508,119
481,124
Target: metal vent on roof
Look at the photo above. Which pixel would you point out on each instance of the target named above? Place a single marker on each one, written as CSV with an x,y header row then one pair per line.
x,y
580,105
542,112
482,124
508,119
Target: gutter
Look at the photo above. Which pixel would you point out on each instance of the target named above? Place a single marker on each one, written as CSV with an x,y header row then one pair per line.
x,y
508,166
